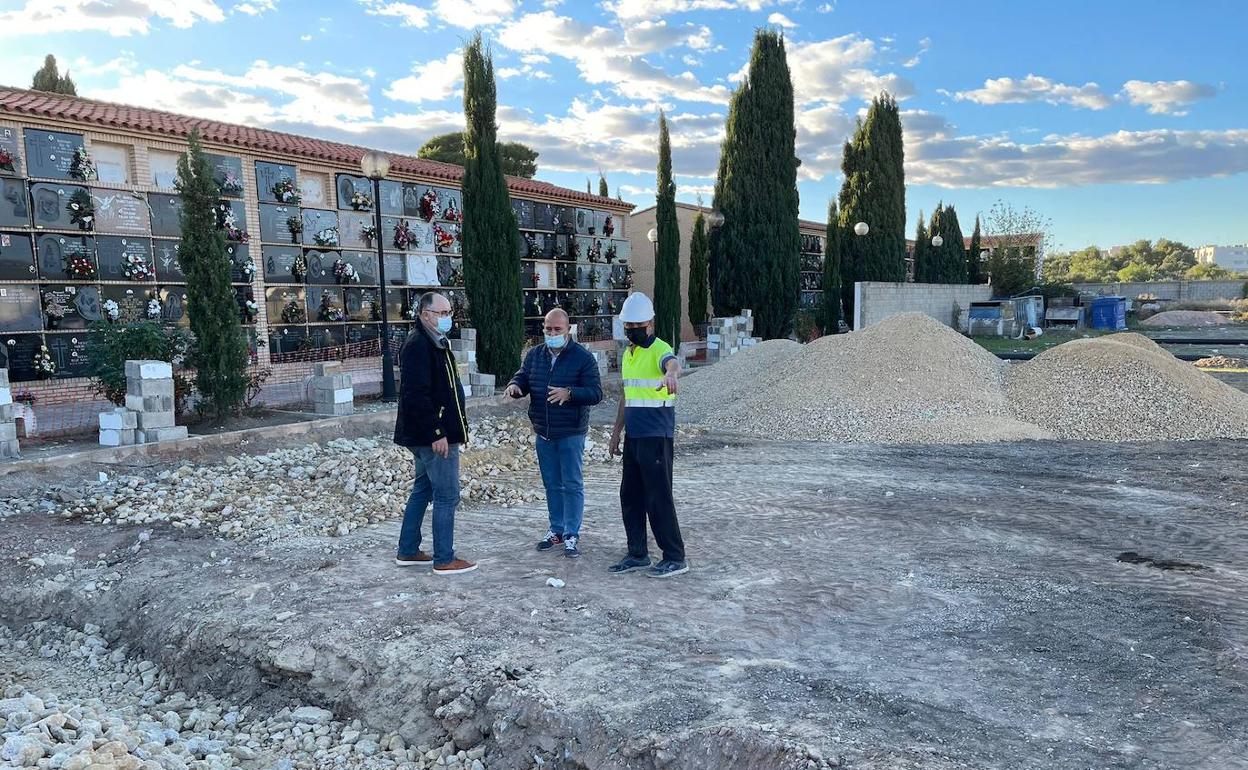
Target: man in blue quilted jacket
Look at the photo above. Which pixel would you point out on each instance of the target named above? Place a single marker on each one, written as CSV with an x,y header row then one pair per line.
x,y
561,379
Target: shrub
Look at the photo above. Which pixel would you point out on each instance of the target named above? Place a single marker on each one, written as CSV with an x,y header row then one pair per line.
x,y
111,345
806,325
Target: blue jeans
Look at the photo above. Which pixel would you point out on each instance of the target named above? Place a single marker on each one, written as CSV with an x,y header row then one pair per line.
x,y
437,479
560,462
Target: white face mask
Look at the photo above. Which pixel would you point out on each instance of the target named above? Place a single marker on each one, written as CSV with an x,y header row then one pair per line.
x,y
557,341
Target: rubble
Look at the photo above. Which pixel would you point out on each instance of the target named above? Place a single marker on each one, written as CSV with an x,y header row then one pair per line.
x,y
1188,318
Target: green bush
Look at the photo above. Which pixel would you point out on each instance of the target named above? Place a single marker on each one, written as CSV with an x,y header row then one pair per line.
x,y
111,345
806,325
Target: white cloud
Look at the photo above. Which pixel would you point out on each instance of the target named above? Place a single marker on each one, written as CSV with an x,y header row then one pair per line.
x,y
1165,97
256,7
654,9
925,45
826,8
1035,88
474,14
119,19
654,36
780,20
408,15
535,58
837,69
305,38
431,81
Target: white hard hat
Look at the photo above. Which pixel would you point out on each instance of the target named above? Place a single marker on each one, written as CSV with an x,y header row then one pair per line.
x,y
637,308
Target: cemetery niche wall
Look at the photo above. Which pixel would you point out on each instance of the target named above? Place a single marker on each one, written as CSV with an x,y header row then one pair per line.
x,y
301,239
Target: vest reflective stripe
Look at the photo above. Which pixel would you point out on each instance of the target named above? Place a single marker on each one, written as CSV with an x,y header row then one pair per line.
x,y
649,402
642,383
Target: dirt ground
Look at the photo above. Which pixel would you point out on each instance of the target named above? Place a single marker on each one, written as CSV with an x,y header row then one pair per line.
x,y
933,607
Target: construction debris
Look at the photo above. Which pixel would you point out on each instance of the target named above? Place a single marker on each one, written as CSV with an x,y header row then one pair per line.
x,y
1179,318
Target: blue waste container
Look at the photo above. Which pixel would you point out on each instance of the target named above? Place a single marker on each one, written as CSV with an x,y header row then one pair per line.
x,y
1109,313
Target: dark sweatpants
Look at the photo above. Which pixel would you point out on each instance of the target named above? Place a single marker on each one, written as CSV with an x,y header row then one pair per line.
x,y
646,488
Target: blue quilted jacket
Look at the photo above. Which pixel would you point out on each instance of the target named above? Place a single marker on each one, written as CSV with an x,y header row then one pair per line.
x,y
574,368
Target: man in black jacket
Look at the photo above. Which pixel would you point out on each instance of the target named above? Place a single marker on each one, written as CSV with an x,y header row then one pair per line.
x,y
431,423
561,379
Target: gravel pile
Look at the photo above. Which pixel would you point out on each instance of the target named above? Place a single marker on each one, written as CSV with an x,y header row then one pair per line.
x,y
72,703
313,489
1222,362
1185,318
908,379
1124,387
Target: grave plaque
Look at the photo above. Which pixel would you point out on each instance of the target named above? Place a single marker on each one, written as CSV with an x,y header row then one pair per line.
x,y
14,205
524,210
544,216
50,153
167,266
131,302
120,212
322,301
53,252
312,190
231,214
69,353
451,271
60,307
113,251
623,250
321,266
399,302
17,257
422,270
362,305
51,209
565,218
9,143
391,197
584,222
278,261
273,223
173,306
240,257
17,354
227,172
166,211
20,308
268,175
276,300
451,205
449,242
359,338
317,221
346,185
411,200
603,220
287,339
365,264
396,269
349,228
321,337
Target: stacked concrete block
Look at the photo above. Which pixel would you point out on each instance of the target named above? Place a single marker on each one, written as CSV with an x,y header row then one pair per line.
x,y
149,394
118,427
465,350
482,384
9,448
728,335
332,392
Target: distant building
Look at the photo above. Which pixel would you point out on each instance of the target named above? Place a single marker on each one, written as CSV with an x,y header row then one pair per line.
x,y
1233,258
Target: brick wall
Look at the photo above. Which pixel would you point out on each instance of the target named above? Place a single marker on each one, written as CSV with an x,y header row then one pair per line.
x,y
877,300
1197,291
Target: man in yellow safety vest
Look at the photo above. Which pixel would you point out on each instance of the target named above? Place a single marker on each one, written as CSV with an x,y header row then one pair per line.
x,y
647,416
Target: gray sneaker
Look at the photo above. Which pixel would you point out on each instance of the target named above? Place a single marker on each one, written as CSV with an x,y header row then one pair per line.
x,y
630,564
667,569
569,547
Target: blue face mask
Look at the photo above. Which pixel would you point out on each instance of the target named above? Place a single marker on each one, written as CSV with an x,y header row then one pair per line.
x,y
444,324
556,342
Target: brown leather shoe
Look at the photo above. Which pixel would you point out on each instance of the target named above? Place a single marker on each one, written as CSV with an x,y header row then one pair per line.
x,y
419,559
457,567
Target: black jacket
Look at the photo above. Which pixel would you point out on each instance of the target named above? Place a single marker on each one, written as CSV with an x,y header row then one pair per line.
x,y
431,398
574,368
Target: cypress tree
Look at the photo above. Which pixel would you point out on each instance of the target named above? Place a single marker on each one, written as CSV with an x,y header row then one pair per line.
x,y
830,310
921,246
874,192
49,78
698,254
849,252
974,268
667,260
588,190
947,261
603,190
755,252
490,234
219,353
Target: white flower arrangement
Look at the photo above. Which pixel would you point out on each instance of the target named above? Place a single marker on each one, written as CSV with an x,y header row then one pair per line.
x,y
153,308
44,365
136,268
111,309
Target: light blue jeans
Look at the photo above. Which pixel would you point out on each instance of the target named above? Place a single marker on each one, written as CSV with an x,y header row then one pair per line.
x,y
560,463
437,479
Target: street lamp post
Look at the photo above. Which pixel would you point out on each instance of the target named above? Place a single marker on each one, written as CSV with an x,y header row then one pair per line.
x,y
375,166
653,237
861,228
937,241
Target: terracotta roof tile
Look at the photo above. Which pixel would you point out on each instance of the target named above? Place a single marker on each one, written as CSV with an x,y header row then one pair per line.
x,y
39,104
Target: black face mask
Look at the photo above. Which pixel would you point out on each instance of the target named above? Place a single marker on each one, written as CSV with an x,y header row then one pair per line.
x,y
639,336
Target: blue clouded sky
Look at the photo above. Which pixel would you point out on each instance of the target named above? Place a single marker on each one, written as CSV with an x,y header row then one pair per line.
x,y
1117,120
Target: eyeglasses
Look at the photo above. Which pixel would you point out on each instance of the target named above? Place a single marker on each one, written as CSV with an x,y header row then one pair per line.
x,y
440,313
554,330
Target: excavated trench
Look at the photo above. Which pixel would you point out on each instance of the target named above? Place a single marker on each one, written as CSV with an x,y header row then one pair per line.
x,y
870,607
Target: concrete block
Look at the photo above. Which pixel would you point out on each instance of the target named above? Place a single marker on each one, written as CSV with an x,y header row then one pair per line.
x,y
118,419
137,387
10,450
149,370
149,421
333,410
6,413
4,378
343,396
482,382
463,344
340,381
124,437
468,334
8,431
158,435
149,404
326,369
6,395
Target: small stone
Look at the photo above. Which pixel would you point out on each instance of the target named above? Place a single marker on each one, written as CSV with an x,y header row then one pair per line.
x,y
312,715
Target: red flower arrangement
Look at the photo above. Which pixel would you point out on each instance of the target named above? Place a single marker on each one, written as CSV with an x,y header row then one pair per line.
x,y
451,213
80,266
402,235
429,204
443,238
6,161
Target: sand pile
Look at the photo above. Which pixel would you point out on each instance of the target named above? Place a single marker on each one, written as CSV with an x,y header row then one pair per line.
x,y
1222,362
1186,318
1124,387
908,379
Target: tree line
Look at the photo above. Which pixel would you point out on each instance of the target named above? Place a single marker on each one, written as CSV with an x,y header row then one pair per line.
x,y
1143,260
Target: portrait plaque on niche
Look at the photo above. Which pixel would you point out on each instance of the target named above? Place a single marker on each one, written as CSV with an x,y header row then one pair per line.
x,y
166,211
321,266
240,257
120,212
50,153
411,200
278,262
17,354
167,266
14,205
361,305
54,251
50,205
17,257
227,172
274,227
69,353
20,308
113,251
396,269
267,177
350,224
173,306
346,185
318,221
365,264
391,197
9,143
